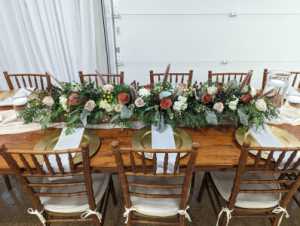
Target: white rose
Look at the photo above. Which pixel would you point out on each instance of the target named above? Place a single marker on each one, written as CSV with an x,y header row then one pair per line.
x,y
144,92
219,107
139,102
108,88
63,102
261,105
182,99
246,89
212,90
233,104
90,105
118,108
179,106
48,101
253,92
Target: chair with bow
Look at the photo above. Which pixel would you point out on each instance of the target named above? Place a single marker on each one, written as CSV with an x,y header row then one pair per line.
x,y
155,184
27,80
100,79
225,77
61,189
259,186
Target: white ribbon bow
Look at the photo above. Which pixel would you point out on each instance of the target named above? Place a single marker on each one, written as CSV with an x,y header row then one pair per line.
x,y
90,212
185,213
127,212
282,211
228,213
38,214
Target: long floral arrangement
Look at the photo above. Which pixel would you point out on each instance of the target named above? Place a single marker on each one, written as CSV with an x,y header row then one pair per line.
x,y
195,106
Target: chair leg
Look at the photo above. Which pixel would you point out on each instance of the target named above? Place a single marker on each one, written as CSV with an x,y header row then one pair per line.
x,y
193,183
182,221
113,191
203,185
7,182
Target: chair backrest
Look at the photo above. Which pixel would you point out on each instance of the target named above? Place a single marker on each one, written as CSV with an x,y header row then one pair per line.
x,y
272,165
173,77
135,163
225,77
102,79
296,79
27,80
30,165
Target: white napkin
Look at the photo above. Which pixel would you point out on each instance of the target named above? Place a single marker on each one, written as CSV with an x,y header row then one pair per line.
x,y
20,93
164,140
287,115
292,91
64,142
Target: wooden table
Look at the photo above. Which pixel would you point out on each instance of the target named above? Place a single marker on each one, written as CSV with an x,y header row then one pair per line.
x,y
218,148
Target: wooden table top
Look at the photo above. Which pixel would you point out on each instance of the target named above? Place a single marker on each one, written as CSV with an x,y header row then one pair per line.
x,y
218,148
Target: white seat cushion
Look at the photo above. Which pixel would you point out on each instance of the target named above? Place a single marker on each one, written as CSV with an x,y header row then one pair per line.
x,y
76,204
224,182
157,207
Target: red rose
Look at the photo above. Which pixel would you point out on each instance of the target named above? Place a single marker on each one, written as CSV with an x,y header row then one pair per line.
x,y
123,98
165,103
246,98
74,99
207,98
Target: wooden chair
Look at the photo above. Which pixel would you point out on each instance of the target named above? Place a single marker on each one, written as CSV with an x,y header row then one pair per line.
x,y
296,79
101,79
60,190
153,197
258,187
27,80
225,77
173,78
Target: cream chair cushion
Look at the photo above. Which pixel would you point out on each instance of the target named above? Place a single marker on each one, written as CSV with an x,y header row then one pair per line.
x,y
157,207
76,204
224,182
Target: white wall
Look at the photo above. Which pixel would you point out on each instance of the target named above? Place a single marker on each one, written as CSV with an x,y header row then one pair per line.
x,y
199,35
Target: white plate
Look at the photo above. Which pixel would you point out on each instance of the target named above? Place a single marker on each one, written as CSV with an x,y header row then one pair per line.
x,y
293,99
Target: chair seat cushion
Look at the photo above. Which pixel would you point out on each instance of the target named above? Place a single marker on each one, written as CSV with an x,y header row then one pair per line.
x,y
75,204
157,207
224,182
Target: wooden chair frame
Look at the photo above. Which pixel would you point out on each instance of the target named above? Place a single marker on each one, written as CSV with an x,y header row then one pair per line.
x,y
108,78
27,80
224,77
130,163
294,80
266,166
172,77
26,165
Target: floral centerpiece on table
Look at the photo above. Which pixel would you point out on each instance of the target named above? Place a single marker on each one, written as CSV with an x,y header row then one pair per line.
x,y
80,104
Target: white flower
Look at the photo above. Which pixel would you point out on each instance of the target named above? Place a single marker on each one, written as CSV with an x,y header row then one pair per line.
x,y
108,88
245,89
106,106
63,102
219,107
261,105
118,108
253,91
212,90
182,99
76,87
90,105
180,106
233,104
144,92
48,101
139,102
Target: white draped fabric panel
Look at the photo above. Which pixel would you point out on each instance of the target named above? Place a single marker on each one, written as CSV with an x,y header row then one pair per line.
x,y
57,36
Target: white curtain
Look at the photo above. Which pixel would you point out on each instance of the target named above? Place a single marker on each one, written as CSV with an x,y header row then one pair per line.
x,y
57,36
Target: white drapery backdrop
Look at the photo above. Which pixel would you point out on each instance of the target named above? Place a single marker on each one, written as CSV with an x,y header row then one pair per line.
x,y
57,36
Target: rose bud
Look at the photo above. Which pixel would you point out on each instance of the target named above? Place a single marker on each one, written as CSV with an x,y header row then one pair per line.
x,y
74,99
207,98
165,103
123,98
246,98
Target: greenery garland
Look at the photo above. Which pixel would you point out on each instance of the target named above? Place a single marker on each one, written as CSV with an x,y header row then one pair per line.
x,y
196,106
